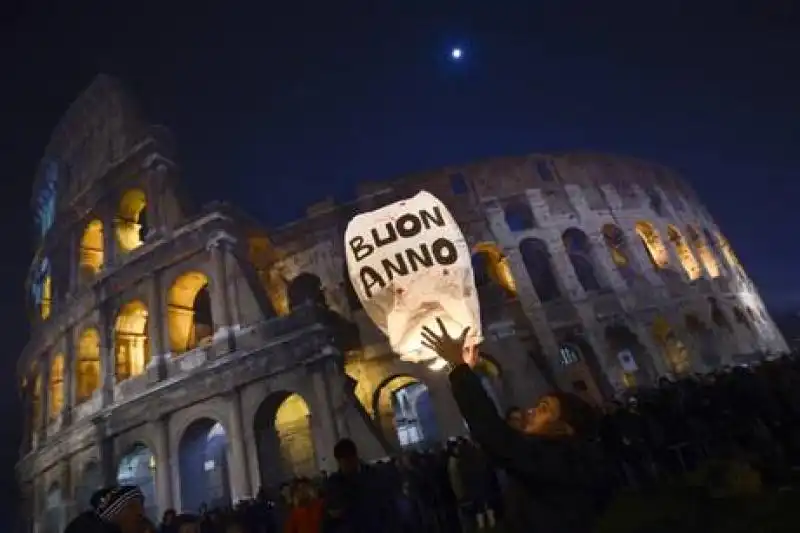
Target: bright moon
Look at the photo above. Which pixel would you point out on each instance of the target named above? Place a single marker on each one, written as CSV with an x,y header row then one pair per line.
x,y
456,53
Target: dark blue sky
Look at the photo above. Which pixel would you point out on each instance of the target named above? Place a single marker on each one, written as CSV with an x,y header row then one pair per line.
x,y
275,108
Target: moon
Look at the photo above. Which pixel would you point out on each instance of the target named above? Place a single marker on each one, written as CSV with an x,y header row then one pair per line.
x,y
456,53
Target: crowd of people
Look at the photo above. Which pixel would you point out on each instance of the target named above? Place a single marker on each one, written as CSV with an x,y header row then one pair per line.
x,y
494,481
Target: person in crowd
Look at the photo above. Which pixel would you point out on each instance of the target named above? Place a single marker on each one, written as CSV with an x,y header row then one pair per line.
x,y
306,512
546,458
358,498
168,522
122,506
90,522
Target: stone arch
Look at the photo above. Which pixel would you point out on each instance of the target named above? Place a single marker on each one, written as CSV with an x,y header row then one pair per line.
x,y
131,220
629,354
685,255
284,438
56,385
404,411
537,260
727,253
617,245
706,256
87,367
91,480
491,264
675,351
138,467
653,244
655,200
305,288
91,250
203,465
131,345
519,216
189,320
581,255
704,339
55,517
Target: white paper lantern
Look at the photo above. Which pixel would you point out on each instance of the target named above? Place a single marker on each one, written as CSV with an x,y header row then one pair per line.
x,y
409,265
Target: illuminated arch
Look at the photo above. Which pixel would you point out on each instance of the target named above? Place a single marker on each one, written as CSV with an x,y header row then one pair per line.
x,y
579,250
674,349
91,255
496,265
685,255
56,386
138,468
652,242
46,304
617,246
282,426
88,365
131,346
189,312
203,465
403,409
706,256
130,219
727,252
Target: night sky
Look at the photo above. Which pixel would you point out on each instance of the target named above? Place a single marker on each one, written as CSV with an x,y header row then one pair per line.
x,y
276,108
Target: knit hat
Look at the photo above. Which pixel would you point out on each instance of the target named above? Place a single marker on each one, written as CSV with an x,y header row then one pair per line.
x,y
109,502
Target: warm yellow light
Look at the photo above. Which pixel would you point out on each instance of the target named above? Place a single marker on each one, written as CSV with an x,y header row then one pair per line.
x,y
56,385
685,255
128,227
46,305
88,365
653,244
131,346
184,332
91,257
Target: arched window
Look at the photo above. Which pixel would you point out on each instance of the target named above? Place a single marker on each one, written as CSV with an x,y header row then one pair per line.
x,y
706,257
91,256
519,217
618,249
491,265
579,250
88,365
536,258
652,242
132,350
685,255
189,312
56,385
36,399
543,169
568,354
727,253
130,220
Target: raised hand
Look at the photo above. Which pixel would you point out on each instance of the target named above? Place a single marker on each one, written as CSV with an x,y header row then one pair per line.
x,y
448,348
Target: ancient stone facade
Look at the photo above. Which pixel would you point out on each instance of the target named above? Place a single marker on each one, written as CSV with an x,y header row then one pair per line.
x,y
152,319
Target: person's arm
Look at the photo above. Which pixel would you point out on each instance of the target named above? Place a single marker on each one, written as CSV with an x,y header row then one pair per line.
x,y
518,453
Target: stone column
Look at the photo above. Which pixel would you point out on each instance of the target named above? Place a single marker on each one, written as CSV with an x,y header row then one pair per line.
x,y
162,452
159,342
564,271
67,490
70,377
602,258
44,418
109,240
241,487
107,357
74,263
219,247
105,451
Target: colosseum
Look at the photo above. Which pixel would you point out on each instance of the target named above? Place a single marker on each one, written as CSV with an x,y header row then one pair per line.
x,y
201,356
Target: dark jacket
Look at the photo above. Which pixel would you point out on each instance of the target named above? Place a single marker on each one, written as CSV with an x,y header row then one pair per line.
x,y
362,502
552,478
